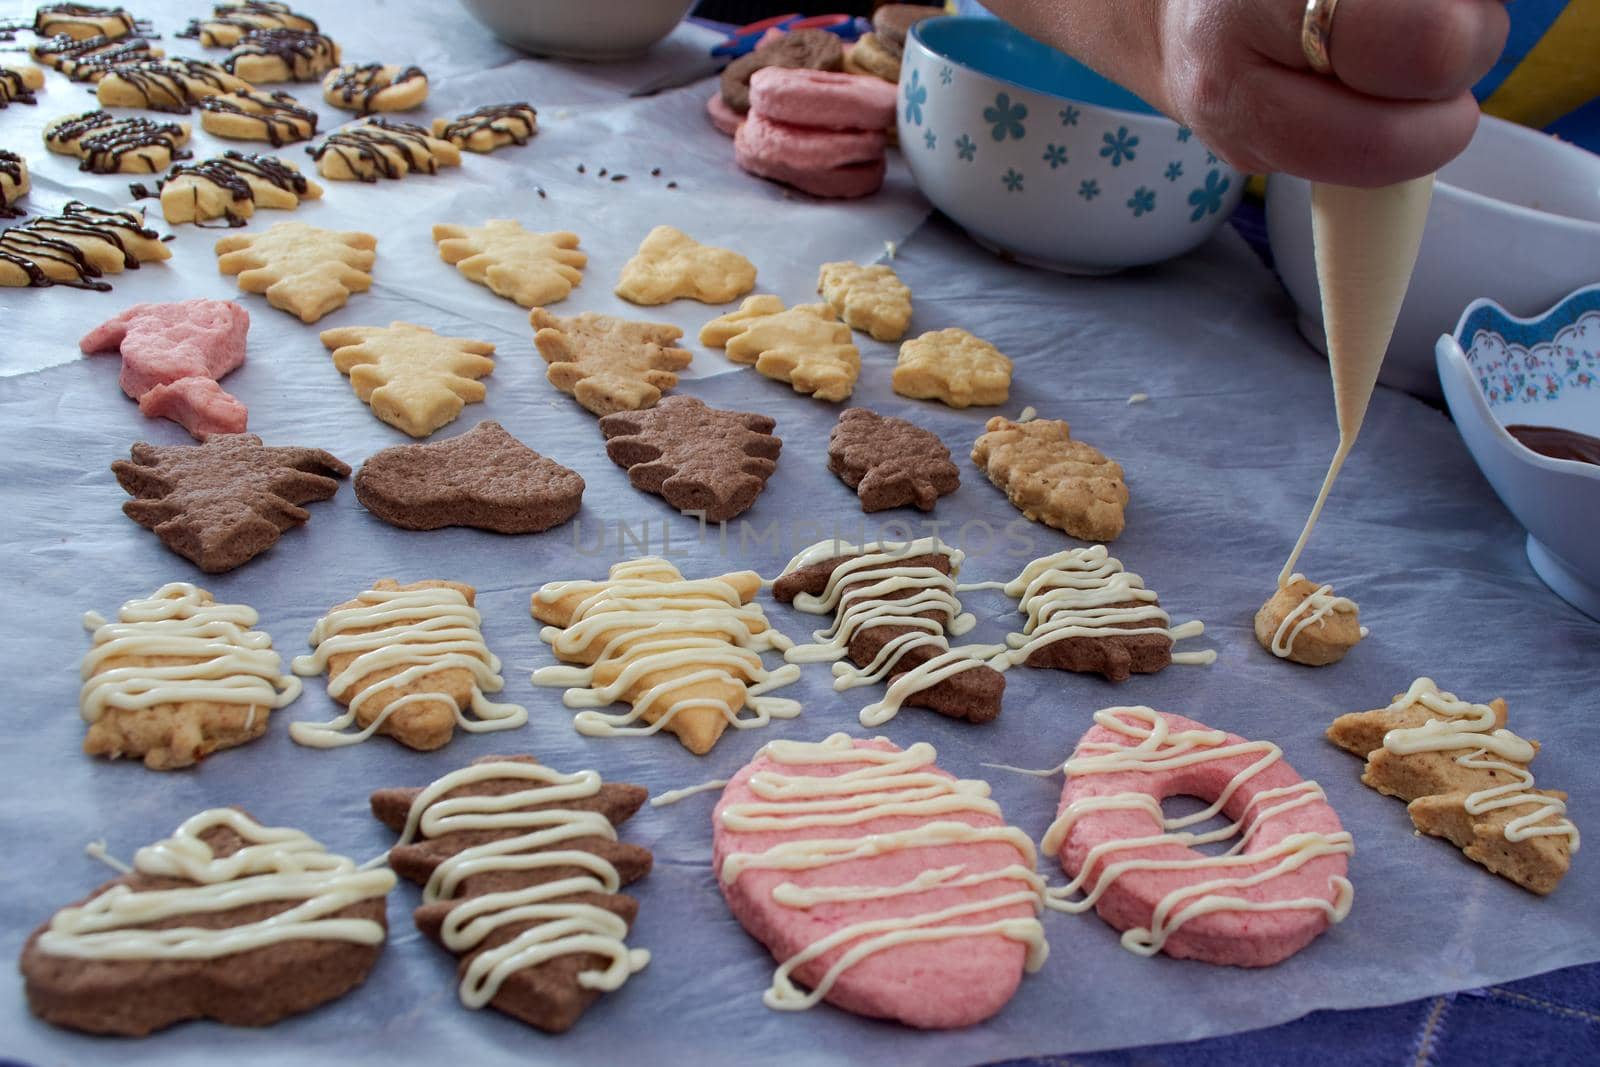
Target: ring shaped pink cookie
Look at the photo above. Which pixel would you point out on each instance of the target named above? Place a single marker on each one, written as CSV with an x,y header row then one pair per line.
x,y
842,163
940,861
821,98
1280,885
723,117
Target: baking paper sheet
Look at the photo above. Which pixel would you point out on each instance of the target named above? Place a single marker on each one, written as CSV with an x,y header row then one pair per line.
x,y
1223,461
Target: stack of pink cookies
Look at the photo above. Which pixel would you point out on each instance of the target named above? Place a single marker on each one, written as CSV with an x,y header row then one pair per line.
x,y
821,132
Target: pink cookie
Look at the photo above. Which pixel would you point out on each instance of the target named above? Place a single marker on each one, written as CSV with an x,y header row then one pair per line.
x,y
199,405
723,117
1274,802
930,983
161,343
821,98
839,163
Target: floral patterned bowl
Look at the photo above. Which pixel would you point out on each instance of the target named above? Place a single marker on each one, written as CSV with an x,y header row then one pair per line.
x,y
1044,161
1497,371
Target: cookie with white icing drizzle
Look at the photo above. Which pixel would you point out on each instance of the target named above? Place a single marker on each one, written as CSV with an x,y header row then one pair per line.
x,y
894,603
521,868
885,885
1086,613
1465,778
1277,887
178,676
227,920
684,653
408,661
1308,624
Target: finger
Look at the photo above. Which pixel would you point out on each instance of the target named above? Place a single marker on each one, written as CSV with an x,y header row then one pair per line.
x,y
1418,50
1270,118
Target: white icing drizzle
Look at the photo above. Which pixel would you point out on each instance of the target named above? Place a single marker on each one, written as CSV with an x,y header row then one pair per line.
x,y
672,796
1155,749
1138,398
652,625
560,927
1472,727
419,630
1069,595
1317,606
886,784
855,592
274,864
222,659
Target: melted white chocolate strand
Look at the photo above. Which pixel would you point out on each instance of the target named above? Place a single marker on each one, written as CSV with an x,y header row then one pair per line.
x,y
560,927
1070,595
421,631
1155,748
219,659
1317,606
887,784
274,864
1472,727
651,625
856,593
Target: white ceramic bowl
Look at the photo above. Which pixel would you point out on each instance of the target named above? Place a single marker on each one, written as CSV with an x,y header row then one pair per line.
x,y
1498,370
1044,161
580,29
1516,218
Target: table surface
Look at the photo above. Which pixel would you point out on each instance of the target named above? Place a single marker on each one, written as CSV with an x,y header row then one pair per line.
x,y
1223,461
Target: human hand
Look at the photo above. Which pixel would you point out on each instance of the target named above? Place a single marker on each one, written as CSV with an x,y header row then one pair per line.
x,y
1397,104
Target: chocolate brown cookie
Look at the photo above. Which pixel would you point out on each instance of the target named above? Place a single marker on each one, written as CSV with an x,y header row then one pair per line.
x,y
115,978
698,458
224,502
973,694
812,49
889,462
891,23
484,478
544,978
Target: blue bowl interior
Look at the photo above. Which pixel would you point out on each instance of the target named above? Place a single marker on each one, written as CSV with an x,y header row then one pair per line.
x,y
1000,51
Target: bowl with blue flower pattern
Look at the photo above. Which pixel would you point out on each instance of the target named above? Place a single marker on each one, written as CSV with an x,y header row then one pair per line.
x,y
1537,380
1042,160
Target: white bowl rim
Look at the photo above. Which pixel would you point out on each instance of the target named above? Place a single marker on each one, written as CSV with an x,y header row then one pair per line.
x,y
1546,140
1153,114
1448,351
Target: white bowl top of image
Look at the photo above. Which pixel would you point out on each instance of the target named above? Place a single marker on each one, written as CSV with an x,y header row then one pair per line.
x,y
1515,218
1042,160
1502,373
580,29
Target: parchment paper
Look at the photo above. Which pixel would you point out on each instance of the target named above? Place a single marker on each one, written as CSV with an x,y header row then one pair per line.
x,y
1223,461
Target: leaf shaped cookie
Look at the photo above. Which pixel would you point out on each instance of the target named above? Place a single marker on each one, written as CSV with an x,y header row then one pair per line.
x,y
954,367
670,265
698,458
804,346
531,268
871,299
608,364
303,270
890,462
484,478
415,380
226,500
1053,479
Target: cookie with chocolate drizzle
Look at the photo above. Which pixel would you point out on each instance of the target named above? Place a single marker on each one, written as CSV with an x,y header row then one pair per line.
x,y
230,187
255,115
489,127
89,59
263,56
13,184
76,247
111,145
80,21
382,148
165,85
228,22
370,87
18,83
